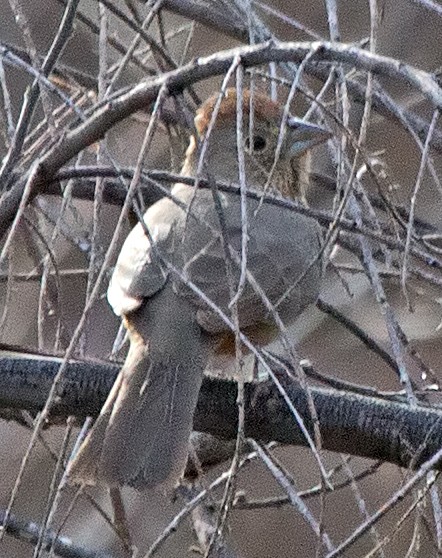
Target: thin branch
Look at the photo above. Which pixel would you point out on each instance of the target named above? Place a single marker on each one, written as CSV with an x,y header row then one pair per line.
x,y
115,43
233,26
296,501
115,193
351,326
120,106
30,101
397,497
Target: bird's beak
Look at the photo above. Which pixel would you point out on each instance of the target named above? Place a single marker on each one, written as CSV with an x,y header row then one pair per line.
x,y
303,135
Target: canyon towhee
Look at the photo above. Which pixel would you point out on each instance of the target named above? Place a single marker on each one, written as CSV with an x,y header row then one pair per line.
x,y
141,436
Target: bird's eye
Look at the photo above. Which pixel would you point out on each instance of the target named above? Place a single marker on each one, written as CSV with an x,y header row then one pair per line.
x,y
258,143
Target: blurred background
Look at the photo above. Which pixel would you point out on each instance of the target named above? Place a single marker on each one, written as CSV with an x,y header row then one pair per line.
x,y
30,313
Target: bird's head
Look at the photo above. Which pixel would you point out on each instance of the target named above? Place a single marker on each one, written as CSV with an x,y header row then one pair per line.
x,y
261,125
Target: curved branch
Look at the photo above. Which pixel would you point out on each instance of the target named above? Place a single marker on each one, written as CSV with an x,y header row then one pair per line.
x,y
235,27
123,105
363,426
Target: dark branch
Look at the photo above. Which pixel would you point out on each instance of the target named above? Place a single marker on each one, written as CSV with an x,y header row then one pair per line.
x,y
151,188
364,426
62,546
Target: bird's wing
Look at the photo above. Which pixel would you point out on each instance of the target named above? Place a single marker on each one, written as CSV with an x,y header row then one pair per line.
x,y
139,272
277,266
280,266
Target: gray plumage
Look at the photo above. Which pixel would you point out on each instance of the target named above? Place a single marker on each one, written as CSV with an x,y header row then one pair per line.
x,y
142,433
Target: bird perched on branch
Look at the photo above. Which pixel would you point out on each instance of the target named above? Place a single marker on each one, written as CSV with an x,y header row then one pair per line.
x,y
201,245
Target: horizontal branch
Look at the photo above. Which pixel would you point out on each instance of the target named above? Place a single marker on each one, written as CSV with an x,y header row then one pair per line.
x,y
29,532
150,186
354,424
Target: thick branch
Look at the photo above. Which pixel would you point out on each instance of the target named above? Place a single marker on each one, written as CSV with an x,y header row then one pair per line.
x,y
354,424
63,547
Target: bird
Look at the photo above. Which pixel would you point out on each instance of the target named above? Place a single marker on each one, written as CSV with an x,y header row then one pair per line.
x,y
176,261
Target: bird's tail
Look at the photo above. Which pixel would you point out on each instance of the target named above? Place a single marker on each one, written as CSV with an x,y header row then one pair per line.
x,y
141,436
